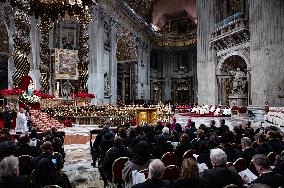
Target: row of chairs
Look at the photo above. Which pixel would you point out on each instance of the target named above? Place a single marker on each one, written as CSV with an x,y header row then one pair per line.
x,y
172,172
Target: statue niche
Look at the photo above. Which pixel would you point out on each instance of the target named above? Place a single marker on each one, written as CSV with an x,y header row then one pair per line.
x,y
232,82
107,89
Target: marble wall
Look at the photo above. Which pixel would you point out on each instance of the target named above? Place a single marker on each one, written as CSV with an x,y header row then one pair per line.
x,y
266,25
206,55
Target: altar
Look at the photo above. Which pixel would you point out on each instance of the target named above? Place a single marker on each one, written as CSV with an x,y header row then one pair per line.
x,y
146,115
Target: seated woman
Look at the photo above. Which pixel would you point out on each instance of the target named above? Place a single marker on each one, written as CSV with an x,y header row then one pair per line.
x,y
140,161
189,175
9,174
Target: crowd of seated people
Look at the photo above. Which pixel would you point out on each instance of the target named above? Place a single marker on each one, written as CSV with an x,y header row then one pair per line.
x,y
217,147
33,160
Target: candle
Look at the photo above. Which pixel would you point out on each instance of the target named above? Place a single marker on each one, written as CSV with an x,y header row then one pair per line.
x,y
57,86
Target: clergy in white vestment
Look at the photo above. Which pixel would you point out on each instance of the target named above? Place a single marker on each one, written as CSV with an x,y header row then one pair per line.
x,y
21,122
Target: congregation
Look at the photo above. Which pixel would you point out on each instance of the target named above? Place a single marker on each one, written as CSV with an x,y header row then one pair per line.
x,y
33,160
225,154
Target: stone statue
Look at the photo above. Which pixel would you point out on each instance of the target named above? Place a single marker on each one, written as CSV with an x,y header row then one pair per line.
x,y
107,89
67,89
239,81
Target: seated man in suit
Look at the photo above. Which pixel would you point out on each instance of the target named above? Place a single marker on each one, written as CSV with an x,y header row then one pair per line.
x,y
247,151
263,147
112,154
220,175
267,176
156,171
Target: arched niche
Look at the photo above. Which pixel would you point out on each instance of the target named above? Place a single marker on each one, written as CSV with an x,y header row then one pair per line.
x,y
227,69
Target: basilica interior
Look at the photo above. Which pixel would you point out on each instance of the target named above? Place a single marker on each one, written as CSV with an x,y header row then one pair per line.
x,y
84,64
183,52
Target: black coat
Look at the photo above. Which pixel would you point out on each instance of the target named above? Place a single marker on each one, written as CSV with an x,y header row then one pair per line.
x,y
185,184
272,179
14,182
8,116
180,150
7,148
247,154
263,148
219,177
152,183
25,149
160,149
113,154
276,145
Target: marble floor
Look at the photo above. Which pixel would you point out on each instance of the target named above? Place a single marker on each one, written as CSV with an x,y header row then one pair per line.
x,y
78,158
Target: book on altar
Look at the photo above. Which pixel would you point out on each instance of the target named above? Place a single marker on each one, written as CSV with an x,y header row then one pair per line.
x,y
247,176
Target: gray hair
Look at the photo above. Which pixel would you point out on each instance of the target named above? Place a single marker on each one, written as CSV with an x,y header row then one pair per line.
x,y
166,130
218,156
8,166
156,169
246,141
261,160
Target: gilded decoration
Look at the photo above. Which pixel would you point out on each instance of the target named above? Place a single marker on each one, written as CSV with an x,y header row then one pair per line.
x,y
84,19
178,43
4,45
143,8
66,64
22,45
126,46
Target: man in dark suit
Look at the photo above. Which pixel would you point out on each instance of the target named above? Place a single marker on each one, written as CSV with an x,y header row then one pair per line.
x,y
220,175
223,128
23,147
114,153
263,147
267,176
247,151
156,171
8,118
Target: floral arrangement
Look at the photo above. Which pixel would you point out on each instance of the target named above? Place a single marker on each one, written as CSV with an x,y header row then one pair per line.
x,y
83,95
30,98
42,95
240,109
6,92
235,108
243,109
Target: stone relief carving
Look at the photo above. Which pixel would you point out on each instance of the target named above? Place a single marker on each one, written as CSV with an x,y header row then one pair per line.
x,y
107,88
67,89
239,81
107,35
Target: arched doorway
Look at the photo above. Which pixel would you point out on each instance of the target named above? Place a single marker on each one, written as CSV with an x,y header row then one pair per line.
x,y
232,79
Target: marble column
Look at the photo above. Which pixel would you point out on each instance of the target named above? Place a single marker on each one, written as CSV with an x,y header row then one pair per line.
x,y
143,59
266,26
103,60
35,57
96,47
11,65
206,56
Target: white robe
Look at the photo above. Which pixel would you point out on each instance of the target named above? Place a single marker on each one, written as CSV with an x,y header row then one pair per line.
x,y
21,123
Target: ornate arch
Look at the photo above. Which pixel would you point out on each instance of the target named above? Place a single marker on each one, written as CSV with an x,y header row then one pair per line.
x,y
243,53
